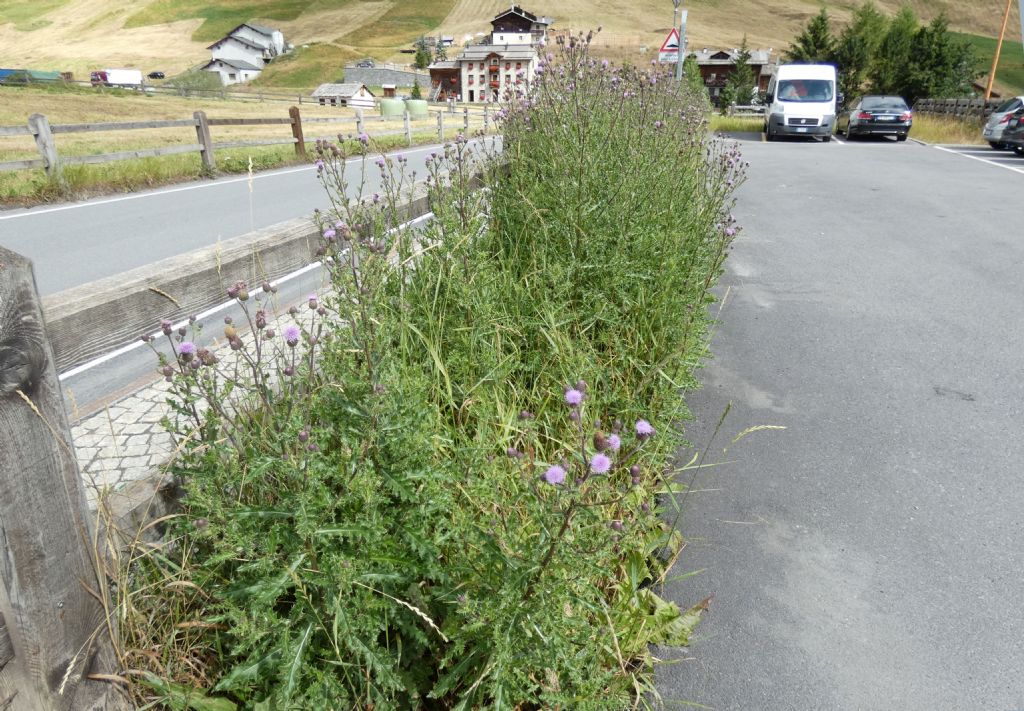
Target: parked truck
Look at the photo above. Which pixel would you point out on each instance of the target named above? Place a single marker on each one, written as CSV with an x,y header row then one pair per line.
x,y
124,78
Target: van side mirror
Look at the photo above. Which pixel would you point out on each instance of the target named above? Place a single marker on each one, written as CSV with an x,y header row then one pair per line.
x,y
769,97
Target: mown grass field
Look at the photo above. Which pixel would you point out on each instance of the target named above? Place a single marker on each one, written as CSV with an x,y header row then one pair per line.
x,y
86,105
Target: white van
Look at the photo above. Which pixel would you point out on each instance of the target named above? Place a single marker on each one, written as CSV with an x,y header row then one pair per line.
x,y
801,101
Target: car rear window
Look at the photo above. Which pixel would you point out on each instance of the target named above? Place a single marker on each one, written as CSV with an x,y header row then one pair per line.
x,y
884,102
1009,105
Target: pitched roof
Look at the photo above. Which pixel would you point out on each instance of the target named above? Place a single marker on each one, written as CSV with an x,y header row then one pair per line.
x,y
247,43
345,90
259,28
516,10
726,56
236,63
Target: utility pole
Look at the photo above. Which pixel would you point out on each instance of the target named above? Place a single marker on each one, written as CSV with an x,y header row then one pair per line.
x,y
999,47
682,30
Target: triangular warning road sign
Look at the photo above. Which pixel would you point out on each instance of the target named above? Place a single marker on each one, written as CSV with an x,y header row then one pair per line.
x,y
671,43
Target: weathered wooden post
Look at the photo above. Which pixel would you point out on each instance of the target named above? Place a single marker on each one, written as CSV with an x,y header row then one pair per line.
x,y
359,120
465,119
487,117
52,629
408,128
300,142
203,134
440,125
39,125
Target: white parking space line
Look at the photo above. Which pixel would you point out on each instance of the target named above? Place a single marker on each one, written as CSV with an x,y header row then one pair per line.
x,y
982,160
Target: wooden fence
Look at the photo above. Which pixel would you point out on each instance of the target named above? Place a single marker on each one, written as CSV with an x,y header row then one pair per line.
x,y
51,161
963,108
53,629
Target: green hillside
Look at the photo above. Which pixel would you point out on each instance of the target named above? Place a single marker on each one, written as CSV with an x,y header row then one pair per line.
x,y
1010,75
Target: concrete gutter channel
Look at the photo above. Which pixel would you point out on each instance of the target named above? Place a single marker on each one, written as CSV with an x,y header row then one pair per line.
x,y
120,443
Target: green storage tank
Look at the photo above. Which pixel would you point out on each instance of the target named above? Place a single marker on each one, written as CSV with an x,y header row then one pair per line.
x,y
417,107
392,107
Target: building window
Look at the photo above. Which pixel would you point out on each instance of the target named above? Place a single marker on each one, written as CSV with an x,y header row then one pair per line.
x,y
231,76
508,65
471,79
519,65
482,78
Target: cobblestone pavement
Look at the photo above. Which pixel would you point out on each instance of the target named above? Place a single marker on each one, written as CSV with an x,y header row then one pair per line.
x,y
123,442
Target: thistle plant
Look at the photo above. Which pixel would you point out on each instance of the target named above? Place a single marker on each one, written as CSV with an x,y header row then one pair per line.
x,y
392,498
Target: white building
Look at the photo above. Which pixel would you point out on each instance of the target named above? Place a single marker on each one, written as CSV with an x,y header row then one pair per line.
x,y
351,94
507,57
242,53
232,71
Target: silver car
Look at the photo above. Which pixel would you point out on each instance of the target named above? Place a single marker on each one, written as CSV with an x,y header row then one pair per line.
x,y
998,119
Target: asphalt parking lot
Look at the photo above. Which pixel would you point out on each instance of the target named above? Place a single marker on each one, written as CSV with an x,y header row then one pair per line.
x,y
871,554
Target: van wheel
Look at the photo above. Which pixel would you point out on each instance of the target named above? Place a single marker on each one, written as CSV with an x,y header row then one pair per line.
x,y
769,135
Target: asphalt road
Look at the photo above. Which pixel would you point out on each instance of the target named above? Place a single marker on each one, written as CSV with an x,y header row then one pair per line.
x,y
76,243
870,555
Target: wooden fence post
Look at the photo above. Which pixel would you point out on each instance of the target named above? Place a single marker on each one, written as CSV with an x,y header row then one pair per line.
x,y
46,564
408,128
465,119
203,134
440,125
40,128
487,117
300,143
359,120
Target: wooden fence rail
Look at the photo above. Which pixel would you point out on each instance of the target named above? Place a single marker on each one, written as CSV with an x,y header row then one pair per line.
x,y
43,132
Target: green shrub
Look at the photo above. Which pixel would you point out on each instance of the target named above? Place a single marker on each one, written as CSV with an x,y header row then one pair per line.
x,y
440,488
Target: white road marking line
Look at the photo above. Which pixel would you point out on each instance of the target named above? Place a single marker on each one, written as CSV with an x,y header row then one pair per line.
x,y
836,140
106,357
981,160
212,184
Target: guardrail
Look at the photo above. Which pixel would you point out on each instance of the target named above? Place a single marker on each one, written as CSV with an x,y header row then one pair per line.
x,y
734,110
964,107
43,132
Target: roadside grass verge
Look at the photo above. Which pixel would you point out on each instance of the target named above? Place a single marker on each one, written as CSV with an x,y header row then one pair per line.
x,y
442,484
946,129
736,124
32,187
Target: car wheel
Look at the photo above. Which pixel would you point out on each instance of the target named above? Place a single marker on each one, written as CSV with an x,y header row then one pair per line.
x,y
826,138
901,137
1019,150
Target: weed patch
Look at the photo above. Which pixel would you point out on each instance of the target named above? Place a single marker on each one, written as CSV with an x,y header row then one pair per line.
x,y
439,484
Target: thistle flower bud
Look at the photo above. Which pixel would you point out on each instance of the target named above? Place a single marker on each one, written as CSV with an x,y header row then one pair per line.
x,y
230,333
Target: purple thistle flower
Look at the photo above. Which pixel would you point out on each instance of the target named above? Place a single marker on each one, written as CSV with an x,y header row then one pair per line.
x,y
329,234
319,165
291,335
573,397
187,348
644,429
554,475
614,442
600,464
312,302
364,139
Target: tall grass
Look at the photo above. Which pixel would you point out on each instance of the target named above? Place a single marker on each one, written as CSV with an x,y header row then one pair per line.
x,y
947,129
440,488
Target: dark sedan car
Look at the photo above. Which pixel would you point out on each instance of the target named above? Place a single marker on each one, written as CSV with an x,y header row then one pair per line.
x,y
156,75
876,115
1013,134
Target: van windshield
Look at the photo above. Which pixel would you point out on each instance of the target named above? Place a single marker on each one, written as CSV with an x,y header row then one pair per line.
x,y
808,90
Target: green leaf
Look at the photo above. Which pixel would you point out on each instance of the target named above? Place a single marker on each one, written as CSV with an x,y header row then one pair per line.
x,y
293,669
181,698
248,671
